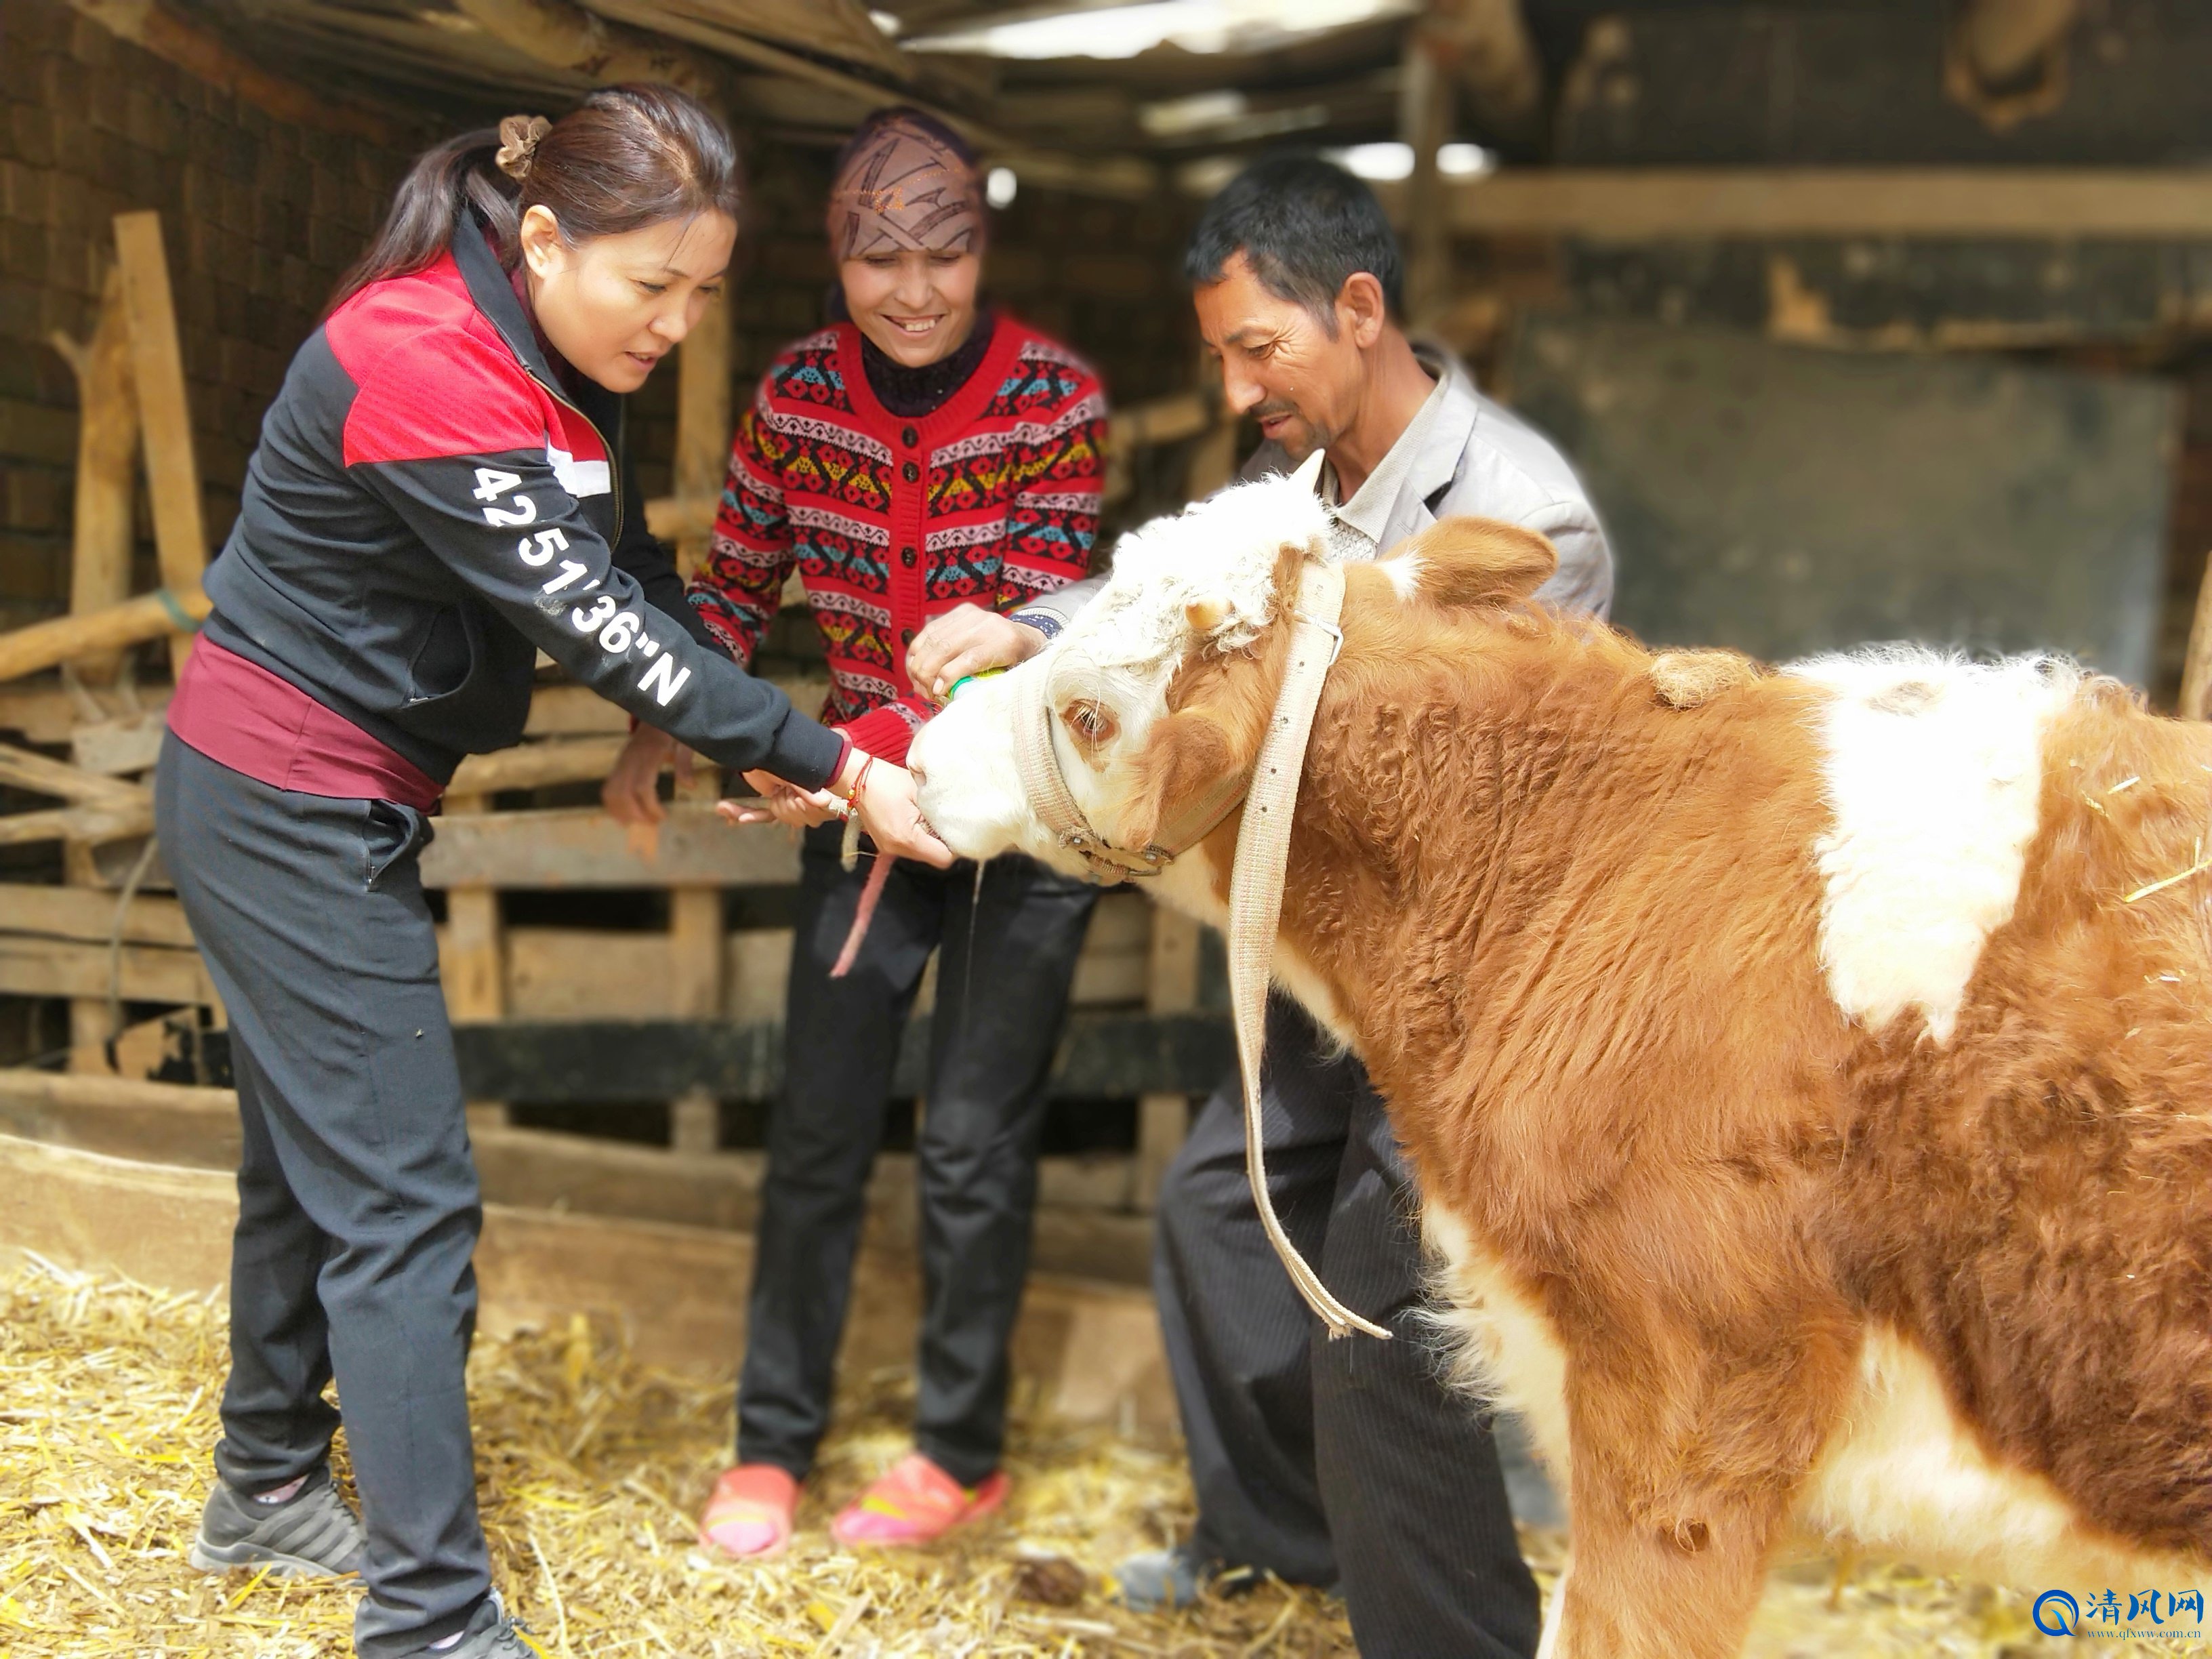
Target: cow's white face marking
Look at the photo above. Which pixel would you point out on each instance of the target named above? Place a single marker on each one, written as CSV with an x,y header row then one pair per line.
x,y
1202,580
1934,770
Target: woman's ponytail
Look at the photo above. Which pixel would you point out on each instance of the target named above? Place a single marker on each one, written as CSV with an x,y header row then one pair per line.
x,y
626,157
461,171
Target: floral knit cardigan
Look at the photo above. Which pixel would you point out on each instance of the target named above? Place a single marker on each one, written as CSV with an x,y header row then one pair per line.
x,y
991,499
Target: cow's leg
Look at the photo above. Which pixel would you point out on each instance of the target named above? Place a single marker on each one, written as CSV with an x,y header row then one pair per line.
x,y
1637,1588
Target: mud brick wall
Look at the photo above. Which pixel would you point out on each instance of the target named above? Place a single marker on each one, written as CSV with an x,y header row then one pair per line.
x,y
262,216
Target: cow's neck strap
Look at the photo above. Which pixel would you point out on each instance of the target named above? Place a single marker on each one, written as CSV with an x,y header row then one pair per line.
x,y
1255,899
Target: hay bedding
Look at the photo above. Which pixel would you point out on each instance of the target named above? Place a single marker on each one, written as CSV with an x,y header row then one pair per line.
x,y
591,1469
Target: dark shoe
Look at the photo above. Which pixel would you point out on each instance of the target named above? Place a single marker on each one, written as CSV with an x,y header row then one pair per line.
x,y
310,1535
492,1634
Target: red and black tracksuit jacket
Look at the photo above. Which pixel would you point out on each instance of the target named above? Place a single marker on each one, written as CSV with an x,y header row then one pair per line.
x,y
428,507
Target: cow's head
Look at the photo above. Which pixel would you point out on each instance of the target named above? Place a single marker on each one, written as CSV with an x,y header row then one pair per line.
x,y
1163,683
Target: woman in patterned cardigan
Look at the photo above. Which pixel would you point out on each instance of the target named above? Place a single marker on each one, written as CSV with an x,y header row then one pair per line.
x,y
925,465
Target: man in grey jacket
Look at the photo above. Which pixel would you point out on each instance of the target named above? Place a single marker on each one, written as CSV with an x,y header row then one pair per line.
x,y
1347,1462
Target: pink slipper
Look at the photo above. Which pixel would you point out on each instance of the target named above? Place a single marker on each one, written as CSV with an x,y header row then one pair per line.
x,y
749,1516
915,1502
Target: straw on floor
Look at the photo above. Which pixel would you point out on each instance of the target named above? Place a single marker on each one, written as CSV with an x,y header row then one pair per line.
x,y
591,1466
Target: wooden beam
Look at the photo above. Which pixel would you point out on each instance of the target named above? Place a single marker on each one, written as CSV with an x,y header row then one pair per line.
x,y
27,770
44,645
537,765
173,472
101,528
168,35
144,973
1425,120
569,37
582,847
703,425
1679,203
1485,49
1092,1350
2006,59
1105,1054
91,824
87,916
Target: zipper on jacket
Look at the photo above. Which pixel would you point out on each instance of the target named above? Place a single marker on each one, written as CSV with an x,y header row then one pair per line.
x,y
614,455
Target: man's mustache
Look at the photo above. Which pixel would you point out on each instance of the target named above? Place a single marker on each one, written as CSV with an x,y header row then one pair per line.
x,y
1270,410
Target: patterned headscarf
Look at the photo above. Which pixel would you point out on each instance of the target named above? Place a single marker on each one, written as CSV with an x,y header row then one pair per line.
x,y
902,186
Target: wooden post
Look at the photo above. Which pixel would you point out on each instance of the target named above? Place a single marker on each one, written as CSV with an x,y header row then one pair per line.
x,y
696,950
173,473
703,423
474,962
100,565
106,467
63,638
696,944
1171,987
2196,666
1424,115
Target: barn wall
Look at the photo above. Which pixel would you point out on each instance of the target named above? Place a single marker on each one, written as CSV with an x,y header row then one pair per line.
x,y
262,218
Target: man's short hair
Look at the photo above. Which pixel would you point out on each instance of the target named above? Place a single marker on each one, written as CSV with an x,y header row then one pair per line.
x,y
1305,225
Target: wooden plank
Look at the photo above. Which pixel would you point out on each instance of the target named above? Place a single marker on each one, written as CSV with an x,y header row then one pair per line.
x,y
127,744
1486,46
582,847
173,472
576,711
40,775
1164,1114
54,967
46,713
149,617
88,915
663,1288
1424,122
89,825
537,1168
102,528
1103,1055
536,766
703,423
1631,204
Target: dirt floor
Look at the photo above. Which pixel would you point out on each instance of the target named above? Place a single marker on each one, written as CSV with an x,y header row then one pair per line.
x,y
591,1467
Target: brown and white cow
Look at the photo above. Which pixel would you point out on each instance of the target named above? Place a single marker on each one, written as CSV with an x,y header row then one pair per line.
x,y
1808,1085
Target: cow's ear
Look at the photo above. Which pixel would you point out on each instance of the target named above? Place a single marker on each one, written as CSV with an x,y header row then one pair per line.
x,y
1472,562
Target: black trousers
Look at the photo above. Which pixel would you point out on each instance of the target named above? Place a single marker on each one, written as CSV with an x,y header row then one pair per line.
x,y
357,1203
1349,1461
1008,955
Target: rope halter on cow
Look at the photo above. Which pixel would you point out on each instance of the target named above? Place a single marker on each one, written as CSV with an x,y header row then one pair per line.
x,y
1270,795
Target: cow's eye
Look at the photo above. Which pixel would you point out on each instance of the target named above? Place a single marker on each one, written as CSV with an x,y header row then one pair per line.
x,y
1092,723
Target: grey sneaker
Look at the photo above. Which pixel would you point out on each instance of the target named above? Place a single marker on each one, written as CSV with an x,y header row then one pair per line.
x,y
310,1535
1153,1579
492,1634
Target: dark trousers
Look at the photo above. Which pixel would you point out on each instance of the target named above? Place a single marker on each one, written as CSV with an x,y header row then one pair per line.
x,y
1349,1461
357,1206
1008,955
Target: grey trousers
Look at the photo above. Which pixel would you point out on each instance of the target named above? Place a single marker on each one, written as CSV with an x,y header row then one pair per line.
x,y
1008,956
1348,1462
358,1210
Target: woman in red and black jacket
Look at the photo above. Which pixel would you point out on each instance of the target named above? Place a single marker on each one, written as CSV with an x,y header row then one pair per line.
x,y
928,466
440,494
